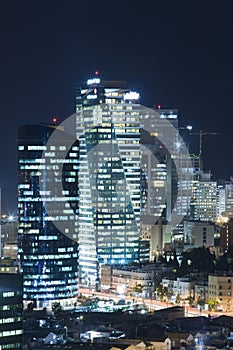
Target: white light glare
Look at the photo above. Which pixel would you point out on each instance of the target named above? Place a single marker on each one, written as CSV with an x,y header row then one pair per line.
x,y
178,144
132,95
93,81
91,97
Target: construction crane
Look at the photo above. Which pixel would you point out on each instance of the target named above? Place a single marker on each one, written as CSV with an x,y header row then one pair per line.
x,y
202,133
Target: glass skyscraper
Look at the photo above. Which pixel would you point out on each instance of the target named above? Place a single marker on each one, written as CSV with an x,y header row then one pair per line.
x,y
108,129
124,179
48,254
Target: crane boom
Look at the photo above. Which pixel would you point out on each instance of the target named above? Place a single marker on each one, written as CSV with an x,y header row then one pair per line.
x,y
202,133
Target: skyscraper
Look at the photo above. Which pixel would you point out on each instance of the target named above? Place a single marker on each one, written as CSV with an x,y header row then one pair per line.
x,y
11,311
124,151
48,255
107,125
204,198
229,197
169,176
225,198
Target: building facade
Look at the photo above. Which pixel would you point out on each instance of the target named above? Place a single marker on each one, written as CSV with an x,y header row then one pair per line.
x,y
220,291
204,198
11,311
107,126
48,255
229,197
180,288
226,233
133,171
134,281
9,237
199,233
225,198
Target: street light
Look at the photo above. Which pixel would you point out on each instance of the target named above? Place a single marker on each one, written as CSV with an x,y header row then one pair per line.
x,y
66,332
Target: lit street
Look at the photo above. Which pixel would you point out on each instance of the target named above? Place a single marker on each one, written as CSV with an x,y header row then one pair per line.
x,y
151,304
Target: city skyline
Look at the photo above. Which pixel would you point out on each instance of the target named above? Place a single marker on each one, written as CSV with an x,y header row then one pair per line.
x,y
178,56
109,172
116,181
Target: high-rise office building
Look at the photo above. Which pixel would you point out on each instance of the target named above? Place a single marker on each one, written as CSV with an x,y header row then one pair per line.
x,y
221,200
226,232
179,165
229,197
1,223
108,129
157,165
169,174
204,198
11,311
126,152
48,255
225,198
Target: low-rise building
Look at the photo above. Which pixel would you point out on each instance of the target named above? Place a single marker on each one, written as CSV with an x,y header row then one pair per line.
x,y
106,277
220,291
201,292
182,288
131,281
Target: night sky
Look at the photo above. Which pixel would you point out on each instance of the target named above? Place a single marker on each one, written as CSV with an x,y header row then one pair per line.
x,y
175,53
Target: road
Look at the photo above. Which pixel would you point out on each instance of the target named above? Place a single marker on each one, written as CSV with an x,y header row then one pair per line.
x,y
151,304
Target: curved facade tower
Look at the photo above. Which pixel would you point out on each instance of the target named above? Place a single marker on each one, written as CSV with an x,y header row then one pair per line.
x,y
48,257
124,155
108,130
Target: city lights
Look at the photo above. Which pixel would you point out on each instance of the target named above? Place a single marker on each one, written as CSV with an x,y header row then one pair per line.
x,y
93,81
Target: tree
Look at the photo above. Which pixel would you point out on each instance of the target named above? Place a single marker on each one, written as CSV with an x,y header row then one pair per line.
x,y
30,307
178,299
190,300
176,264
56,307
212,303
198,259
173,261
222,263
201,302
164,292
230,257
137,288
